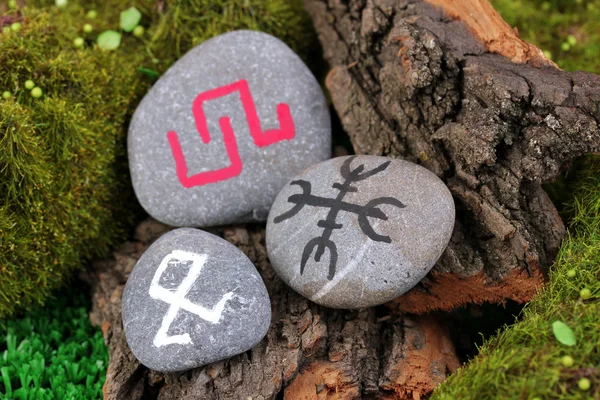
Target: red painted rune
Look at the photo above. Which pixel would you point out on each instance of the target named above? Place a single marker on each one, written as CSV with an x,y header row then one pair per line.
x,y
261,138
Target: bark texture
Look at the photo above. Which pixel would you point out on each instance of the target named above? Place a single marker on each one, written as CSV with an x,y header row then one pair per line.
x,y
447,84
310,352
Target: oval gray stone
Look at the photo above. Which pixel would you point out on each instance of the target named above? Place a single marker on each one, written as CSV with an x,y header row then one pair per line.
x,y
359,231
223,130
193,299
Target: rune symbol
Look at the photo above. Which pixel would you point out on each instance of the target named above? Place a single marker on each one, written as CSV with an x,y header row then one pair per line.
x,y
329,224
177,299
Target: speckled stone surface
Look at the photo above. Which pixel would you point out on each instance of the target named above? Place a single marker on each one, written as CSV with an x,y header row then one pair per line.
x,y
192,299
225,177
359,231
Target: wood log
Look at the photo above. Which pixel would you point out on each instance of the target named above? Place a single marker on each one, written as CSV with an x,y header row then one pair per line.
x,y
449,85
310,352
446,84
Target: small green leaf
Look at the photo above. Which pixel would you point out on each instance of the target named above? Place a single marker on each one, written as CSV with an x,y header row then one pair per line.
x,y
563,333
130,18
149,72
109,40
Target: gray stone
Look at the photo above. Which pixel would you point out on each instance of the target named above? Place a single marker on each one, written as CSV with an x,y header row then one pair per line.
x,y
192,299
393,221
231,177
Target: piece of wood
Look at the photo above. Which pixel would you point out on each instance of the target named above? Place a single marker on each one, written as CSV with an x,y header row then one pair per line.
x,y
489,28
447,84
310,352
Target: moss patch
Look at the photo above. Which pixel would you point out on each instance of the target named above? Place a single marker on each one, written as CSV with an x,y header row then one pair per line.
x,y
525,361
65,194
188,23
62,177
567,30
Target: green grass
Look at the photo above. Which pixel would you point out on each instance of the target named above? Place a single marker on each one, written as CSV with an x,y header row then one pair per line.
x,y
524,360
53,353
567,30
65,195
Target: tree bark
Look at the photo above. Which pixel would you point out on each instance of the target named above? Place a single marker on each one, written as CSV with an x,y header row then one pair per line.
x,y
449,85
310,352
446,84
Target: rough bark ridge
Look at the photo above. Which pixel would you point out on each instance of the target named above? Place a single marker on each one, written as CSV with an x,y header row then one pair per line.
x,y
447,84
310,352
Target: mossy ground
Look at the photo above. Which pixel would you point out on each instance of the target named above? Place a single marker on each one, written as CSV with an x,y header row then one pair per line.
x,y
65,195
567,30
62,178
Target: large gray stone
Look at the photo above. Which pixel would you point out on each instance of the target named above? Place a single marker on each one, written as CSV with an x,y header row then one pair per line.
x,y
394,221
220,187
192,299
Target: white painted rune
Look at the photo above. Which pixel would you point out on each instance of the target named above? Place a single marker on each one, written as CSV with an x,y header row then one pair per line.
x,y
177,298
192,299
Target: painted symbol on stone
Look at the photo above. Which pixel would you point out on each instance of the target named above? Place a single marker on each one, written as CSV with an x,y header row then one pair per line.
x,y
177,299
261,138
336,205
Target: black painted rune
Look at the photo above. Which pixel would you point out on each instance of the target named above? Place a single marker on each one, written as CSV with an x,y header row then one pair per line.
x,y
336,205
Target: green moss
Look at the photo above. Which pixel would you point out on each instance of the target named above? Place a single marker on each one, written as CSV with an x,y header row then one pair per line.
x,y
525,360
188,23
65,194
53,353
568,30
